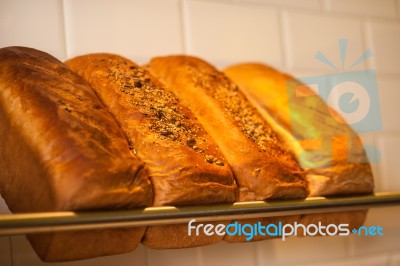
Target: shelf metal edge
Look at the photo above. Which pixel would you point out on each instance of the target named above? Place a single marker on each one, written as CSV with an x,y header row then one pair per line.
x,y
14,224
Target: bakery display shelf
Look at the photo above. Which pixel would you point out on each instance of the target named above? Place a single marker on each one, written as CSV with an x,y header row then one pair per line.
x,y
14,224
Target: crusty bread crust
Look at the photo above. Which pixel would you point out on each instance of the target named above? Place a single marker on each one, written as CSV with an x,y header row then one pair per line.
x,y
339,166
61,150
183,162
262,168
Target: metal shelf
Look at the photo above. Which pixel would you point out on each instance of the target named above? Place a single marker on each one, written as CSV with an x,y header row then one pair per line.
x,y
14,224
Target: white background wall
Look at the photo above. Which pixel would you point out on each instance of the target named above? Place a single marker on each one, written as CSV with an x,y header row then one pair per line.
x,y
283,33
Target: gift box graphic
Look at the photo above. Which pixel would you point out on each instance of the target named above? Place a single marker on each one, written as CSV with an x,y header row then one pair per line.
x,y
353,100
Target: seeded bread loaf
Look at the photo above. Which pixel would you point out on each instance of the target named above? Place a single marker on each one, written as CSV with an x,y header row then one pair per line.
x,y
262,168
61,150
327,148
184,164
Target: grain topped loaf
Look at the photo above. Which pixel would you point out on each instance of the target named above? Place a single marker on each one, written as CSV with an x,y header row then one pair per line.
x,y
262,167
184,164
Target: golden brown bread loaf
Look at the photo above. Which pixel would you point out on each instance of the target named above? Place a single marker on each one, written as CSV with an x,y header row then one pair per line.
x,y
163,133
262,168
61,150
337,164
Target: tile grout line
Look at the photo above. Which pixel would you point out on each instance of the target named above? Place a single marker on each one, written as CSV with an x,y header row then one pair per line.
x,y
257,255
199,256
11,251
64,20
380,167
185,35
371,64
377,167
366,41
284,36
146,255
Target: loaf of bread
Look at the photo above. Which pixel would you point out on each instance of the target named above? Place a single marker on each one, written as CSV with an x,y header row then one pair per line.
x,y
61,150
184,164
262,168
326,147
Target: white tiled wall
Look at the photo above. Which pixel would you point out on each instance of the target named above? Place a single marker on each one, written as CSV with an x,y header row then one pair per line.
x,y
228,38
138,29
307,33
283,33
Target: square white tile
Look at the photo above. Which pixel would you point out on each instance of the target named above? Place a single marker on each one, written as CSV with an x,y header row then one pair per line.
x,y
138,29
228,254
24,255
374,260
375,159
389,92
306,34
384,40
389,146
387,218
35,24
368,8
395,259
227,33
308,249
172,257
265,252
